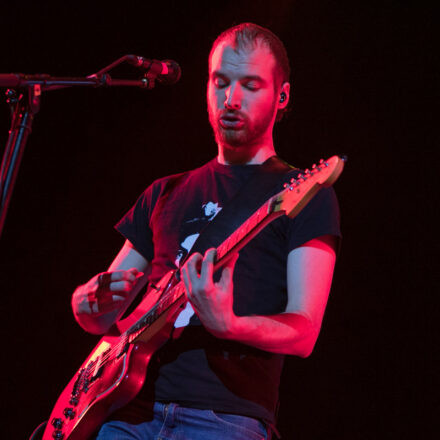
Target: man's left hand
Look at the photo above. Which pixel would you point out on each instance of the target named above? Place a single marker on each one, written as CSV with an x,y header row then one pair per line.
x,y
211,301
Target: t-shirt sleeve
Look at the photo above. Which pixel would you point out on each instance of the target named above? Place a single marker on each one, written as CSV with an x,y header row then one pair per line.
x,y
319,217
135,225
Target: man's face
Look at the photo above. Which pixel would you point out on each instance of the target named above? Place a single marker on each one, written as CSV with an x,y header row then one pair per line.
x,y
242,101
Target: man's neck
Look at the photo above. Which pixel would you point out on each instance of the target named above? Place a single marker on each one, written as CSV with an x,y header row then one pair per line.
x,y
244,156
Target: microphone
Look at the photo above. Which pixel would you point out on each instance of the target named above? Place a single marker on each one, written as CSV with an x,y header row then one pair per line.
x,y
166,71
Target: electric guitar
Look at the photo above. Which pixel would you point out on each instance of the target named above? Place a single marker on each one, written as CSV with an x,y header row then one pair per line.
x,y
115,370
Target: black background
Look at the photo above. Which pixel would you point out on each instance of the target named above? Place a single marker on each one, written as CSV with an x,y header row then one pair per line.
x,y
361,77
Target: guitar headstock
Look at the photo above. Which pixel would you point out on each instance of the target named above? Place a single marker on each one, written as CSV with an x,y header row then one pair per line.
x,y
299,191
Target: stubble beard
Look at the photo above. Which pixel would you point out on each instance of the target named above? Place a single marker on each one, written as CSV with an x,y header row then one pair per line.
x,y
249,135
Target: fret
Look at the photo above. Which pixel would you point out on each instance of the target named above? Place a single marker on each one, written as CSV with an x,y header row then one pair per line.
x,y
247,225
224,248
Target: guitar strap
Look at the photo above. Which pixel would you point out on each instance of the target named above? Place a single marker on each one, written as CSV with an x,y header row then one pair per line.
x,y
262,184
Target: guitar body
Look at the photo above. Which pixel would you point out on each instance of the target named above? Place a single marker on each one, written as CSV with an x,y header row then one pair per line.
x,y
104,382
116,369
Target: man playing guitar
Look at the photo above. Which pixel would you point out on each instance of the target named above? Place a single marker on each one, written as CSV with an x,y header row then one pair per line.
x,y
218,376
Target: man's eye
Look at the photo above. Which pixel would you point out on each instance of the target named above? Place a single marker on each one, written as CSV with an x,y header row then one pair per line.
x,y
252,85
218,82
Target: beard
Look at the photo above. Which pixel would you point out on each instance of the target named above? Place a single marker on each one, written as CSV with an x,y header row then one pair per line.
x,y
247,135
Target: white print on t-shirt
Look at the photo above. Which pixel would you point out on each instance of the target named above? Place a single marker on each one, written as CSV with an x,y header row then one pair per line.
x,y
186,244
209,211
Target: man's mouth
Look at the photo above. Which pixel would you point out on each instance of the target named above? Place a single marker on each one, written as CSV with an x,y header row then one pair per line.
x,y
231,121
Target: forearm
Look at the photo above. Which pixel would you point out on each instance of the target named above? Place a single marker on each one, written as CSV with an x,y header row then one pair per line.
x,y
285,333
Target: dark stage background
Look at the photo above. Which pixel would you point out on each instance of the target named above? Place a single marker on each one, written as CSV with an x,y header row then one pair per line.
x,y
359,87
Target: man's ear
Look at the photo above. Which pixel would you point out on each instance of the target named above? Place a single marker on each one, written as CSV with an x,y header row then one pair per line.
x,y
284,95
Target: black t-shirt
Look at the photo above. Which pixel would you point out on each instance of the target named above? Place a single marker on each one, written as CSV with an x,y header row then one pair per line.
x,y
198,370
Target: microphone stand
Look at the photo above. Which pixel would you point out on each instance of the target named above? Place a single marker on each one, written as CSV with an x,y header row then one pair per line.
x,y
25,104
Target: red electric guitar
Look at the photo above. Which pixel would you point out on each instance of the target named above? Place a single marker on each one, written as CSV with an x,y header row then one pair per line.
x,y
116,369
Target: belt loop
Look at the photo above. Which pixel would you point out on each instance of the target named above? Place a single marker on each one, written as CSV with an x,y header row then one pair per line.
x,y
170,413
165,411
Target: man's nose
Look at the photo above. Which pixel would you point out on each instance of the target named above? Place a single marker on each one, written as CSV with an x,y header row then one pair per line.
x,y
233,97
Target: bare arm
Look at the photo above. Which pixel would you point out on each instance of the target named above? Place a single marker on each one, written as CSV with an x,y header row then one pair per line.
x,y
99,303
310,270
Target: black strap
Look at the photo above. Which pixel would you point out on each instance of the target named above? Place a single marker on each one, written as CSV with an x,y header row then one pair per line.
x,y
263,183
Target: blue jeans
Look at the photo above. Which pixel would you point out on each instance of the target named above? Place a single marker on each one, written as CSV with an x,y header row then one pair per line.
x,y
174,422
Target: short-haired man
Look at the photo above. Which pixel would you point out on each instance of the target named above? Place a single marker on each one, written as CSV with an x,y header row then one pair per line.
x,y
219,377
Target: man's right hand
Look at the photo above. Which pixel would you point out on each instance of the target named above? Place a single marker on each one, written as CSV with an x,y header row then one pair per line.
x,y
100,302
105,292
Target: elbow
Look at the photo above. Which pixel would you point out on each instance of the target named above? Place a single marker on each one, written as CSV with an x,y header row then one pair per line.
x,y
304,335
304,352
304,345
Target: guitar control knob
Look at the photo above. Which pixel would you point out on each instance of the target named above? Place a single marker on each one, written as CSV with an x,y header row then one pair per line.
x,y
73,401
69,413
58,435
57,423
